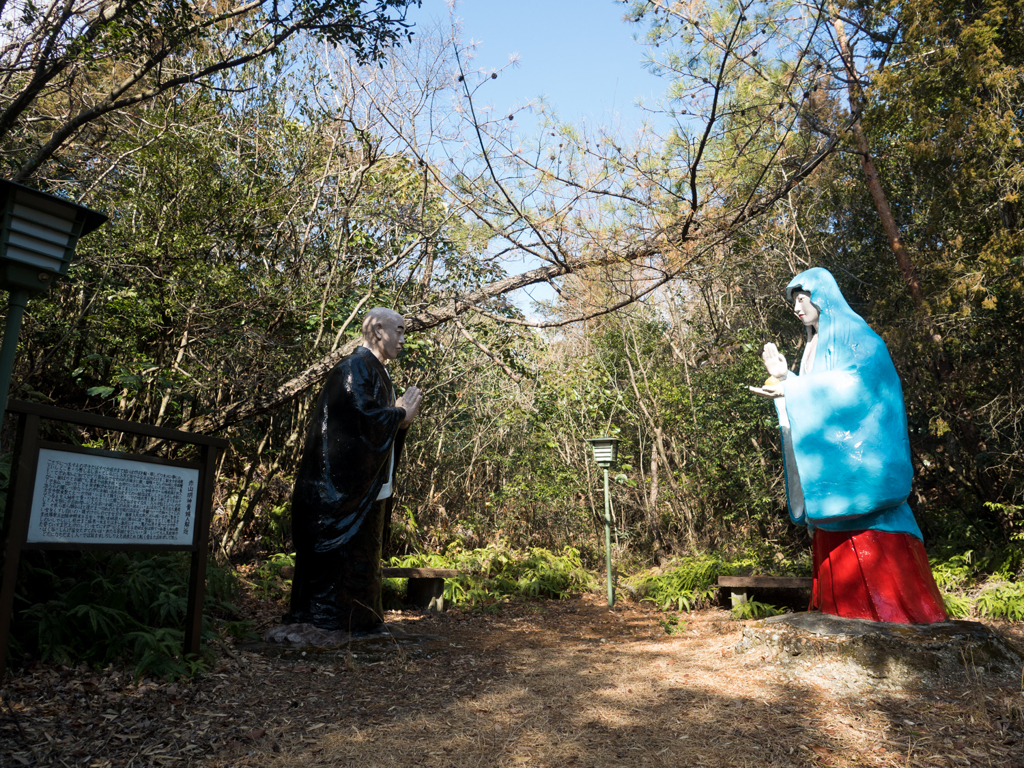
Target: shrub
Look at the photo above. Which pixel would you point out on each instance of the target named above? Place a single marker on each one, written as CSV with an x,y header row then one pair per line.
x,y
1002,601
497,571
103,607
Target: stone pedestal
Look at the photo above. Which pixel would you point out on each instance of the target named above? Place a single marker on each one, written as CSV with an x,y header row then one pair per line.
x,y
887,655
303,635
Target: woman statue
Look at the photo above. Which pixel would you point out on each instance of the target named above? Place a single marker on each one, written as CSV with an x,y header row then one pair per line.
x,y
847,462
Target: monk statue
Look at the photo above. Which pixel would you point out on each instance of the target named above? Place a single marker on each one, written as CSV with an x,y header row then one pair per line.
x,y
345,477
846,455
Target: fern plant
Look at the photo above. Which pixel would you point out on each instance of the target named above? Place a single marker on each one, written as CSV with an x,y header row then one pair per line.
x,y
497,572
689,584
957,606
752,609
953,573
99,607
1002,601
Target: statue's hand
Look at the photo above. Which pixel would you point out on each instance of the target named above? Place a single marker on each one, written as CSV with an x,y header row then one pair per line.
x,y
411,402
774,390
775,362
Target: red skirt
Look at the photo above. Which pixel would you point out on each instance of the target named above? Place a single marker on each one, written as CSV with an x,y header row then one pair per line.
x,y
875,575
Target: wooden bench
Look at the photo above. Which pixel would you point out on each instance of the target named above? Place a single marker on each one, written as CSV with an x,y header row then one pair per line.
x,y
426,585
740,587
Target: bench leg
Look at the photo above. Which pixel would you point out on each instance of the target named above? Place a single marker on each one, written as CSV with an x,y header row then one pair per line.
x,y
738,596
427,594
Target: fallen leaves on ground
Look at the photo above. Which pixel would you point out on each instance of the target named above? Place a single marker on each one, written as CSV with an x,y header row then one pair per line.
x,y
567,683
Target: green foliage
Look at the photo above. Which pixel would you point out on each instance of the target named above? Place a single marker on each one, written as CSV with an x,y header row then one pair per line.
x,y
752,609
497,571
267,579
1002,601
120,50
981,586
691,582
974,553
733,431
686,585
99,608
1013,519
953,573
249,223
942,120
672,624
957,606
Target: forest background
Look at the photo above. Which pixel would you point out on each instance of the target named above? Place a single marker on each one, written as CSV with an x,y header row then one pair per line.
x,y
272,170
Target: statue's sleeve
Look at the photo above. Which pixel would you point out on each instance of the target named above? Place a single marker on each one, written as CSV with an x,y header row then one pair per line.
x,y
358,421
357,428
848,427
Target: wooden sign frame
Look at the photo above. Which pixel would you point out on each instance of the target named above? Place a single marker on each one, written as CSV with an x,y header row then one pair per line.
x,y
21,487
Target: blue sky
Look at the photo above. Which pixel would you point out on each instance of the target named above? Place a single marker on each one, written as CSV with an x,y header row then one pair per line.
x,y
577,54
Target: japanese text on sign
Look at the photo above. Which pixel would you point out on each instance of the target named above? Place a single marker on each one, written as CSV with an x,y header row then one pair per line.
x,y
84,498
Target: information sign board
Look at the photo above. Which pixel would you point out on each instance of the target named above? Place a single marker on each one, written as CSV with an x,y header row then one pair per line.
x,y
64,496
85,498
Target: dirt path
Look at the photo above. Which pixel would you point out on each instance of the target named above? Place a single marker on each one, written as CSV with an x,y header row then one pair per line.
x,y
566,683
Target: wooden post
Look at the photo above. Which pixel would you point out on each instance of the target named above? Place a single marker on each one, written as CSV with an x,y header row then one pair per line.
x,y
23,466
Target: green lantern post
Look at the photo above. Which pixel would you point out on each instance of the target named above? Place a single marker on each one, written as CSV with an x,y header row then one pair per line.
x,y
38,236
605,449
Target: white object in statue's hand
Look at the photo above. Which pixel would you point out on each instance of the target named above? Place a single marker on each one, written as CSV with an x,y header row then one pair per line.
x,y
769,390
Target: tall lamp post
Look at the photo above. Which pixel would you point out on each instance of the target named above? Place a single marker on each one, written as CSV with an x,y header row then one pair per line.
x,y
38,236
605,449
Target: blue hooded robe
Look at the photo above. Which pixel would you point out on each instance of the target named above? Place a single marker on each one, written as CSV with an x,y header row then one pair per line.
x,y
844,425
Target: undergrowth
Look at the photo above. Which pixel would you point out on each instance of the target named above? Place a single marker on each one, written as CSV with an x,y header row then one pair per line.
x,y
269,580
496,572
684,586
691,582
99,608
1001,601
752,609
985,585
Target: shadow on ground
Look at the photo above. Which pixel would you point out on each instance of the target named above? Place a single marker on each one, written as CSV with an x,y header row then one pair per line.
x,y
576,684
567,683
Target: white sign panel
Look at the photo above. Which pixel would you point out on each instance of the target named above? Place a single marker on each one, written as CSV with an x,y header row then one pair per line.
x,y
87,499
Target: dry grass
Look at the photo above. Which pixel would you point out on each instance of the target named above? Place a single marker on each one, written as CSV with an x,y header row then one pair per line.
x,y
585,686
539,684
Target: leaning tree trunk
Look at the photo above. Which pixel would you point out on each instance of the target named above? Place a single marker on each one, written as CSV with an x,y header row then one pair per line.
x,y
870,172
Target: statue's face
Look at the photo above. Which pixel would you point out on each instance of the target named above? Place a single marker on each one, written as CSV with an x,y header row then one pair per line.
x,y
802,307
389,336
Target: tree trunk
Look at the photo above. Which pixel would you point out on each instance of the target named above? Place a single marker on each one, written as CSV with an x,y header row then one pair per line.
x,y
874,185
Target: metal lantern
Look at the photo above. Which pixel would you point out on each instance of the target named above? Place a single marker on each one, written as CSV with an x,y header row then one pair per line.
x,y
605,449
38,236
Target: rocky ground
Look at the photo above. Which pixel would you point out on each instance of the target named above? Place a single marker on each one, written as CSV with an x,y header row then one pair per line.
x,y
568,683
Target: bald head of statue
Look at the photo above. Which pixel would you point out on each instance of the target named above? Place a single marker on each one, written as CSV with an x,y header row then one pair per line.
x,y
383,333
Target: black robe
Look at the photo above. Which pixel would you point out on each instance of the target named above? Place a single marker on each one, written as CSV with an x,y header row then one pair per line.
x,y
337,522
